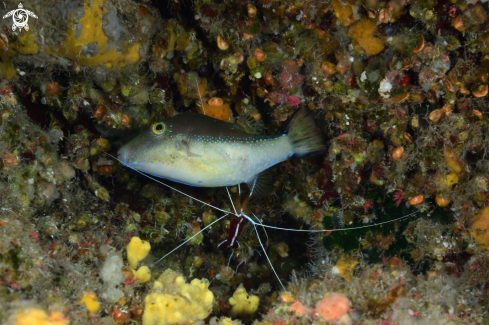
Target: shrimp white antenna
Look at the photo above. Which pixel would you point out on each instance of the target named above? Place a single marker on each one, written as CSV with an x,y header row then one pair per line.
x,y
303,230
341,229
168,186
230,199
241,214
189,239
264,251
259,222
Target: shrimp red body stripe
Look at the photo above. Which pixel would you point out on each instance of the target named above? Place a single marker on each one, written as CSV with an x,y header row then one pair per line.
x,y
237,225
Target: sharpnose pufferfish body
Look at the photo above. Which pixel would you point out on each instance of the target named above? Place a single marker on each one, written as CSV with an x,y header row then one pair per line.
x,y
201,151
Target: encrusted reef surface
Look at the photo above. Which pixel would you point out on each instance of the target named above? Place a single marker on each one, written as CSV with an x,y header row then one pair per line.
x,y
398,89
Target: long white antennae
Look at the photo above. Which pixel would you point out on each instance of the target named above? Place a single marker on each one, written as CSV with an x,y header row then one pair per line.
x,y
266,255
259,222
241,214
232,203
271,227
170,187
213,222
265,252
341,229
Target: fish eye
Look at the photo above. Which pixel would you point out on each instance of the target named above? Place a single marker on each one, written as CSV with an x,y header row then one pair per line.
x,y
158,128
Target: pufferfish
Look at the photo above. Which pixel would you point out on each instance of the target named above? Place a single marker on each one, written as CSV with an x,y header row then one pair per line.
x,y
201,151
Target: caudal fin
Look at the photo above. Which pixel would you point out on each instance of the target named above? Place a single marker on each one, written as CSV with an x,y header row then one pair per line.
x,y
304,136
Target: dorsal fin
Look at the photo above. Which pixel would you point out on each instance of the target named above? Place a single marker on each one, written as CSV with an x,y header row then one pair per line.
x,y
248,124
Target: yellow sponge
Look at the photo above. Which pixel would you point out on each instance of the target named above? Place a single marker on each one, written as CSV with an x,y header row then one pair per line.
x,y
92,32
479,228
36,316
243,304
179,303
137,250
143,274
91,302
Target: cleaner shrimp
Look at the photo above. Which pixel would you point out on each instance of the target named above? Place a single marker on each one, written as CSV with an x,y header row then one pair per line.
x,y
241,214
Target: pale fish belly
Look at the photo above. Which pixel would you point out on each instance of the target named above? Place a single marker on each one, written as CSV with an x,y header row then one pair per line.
x,y
209,161
230,163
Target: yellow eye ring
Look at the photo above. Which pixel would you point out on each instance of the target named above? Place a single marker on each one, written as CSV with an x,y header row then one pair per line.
x,y
158,128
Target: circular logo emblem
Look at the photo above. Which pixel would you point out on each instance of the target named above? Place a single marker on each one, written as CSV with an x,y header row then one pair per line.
x,y
20,17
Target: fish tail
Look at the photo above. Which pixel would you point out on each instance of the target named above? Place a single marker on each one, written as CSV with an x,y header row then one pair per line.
x,y
304,136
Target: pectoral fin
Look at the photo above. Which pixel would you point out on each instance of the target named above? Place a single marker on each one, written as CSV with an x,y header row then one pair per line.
x,y
184,145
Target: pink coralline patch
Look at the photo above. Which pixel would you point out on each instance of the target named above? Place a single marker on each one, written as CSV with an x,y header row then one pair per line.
x,y
427,77
285,77
289,80
445,58
300,309
333,306
293,100
298,79
289,77
276,97
428,48
291,66
393,77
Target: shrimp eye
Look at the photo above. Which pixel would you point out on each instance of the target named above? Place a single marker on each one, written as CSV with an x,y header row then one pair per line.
x,y
158,128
